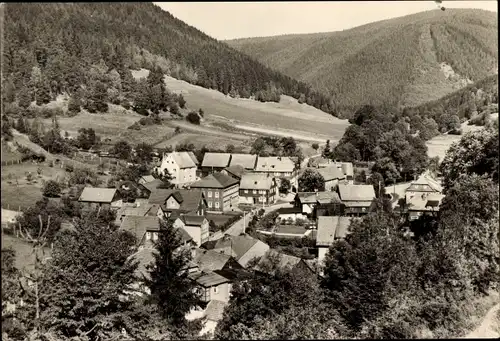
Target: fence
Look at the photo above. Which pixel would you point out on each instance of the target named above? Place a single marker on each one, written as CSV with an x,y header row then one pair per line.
x,y
12,162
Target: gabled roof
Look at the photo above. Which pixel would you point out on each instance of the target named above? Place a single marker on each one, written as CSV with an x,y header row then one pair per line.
x,y
152,185
256,181
209,279
219,160
331,173
429,201
141,210
208,260
284,260
236,246
236,171
146,179
184,159
192,220
100,195
138,226
356,192
247,161
274,164
324,197
330,228
215,310
426,179
189,199
185,237
216,180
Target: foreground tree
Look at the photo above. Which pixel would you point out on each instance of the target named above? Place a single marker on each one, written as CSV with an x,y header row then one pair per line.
x,y
172,291
98,256
311,181
52,189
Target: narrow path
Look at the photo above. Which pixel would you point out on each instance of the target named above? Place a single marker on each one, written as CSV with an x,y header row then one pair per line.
x,y
488,327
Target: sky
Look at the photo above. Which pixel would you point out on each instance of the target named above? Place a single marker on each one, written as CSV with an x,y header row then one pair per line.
x,y
231,20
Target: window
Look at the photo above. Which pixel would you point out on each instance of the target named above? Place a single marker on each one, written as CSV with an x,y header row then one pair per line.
x,y
245,191
216,290
261,191
264,199
209,194
363,209
155,236
148,235
216,204
216,194
254,191
209,204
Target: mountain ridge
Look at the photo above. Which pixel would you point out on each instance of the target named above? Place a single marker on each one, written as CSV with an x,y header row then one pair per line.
x,y
395,52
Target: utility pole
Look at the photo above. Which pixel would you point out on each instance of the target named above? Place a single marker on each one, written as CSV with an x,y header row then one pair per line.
x,y
244,225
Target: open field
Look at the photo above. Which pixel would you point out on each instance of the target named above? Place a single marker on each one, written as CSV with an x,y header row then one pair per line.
x,y
26,194
249,114
438,145
199,140
9,155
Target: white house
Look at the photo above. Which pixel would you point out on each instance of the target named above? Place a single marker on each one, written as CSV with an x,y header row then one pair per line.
x,y
181,165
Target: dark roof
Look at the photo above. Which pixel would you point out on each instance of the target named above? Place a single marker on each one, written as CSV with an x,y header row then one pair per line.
x,y
238,245
208,260
189,199
152,185
209,279
289,210
209,245
160,195
139,225
236,171
216,180
185,237
192,220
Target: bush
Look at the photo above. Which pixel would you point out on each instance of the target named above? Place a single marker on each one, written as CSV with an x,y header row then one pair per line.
x,y
193,118
146,121
69,168
135,126
52,189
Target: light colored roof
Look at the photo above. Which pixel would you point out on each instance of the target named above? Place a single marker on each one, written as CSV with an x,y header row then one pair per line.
x,y
356,192
219,160
426,179
247,161
330,228
183,159
324,197
424,201
138,226
145,179
215,310
208,260
239,245
275,164
256,181
348,168
215,180
209,279
94,194
331,173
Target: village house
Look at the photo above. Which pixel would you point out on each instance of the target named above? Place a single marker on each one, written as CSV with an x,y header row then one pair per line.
x,y
93,197
247,161
234,171
221,192
358,199
278,167
333,176
214,162
291,214
139,210
423,197
243,248
181,165
145,228
274,259
145,179
330,229
258,188
196,226
149,187
175,202
310,202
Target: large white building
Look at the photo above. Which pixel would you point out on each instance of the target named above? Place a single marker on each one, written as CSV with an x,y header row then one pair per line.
x,y
181,165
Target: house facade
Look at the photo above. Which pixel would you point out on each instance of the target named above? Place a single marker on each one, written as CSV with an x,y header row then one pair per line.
x,y
278,167
196,226
258,189
309,202
221,192
181,165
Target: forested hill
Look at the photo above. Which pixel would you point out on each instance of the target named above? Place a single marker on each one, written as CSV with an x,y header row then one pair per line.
x,y
65,40
404,61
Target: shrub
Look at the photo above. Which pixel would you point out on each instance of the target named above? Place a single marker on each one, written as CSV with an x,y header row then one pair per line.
x,y
52,189
135,126
146,121
69,168
193,118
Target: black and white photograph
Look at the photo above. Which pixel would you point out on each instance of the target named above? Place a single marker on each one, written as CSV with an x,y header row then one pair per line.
x,y
266,170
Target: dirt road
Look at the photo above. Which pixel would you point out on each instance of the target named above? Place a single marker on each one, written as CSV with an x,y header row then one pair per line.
x,y
488,327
